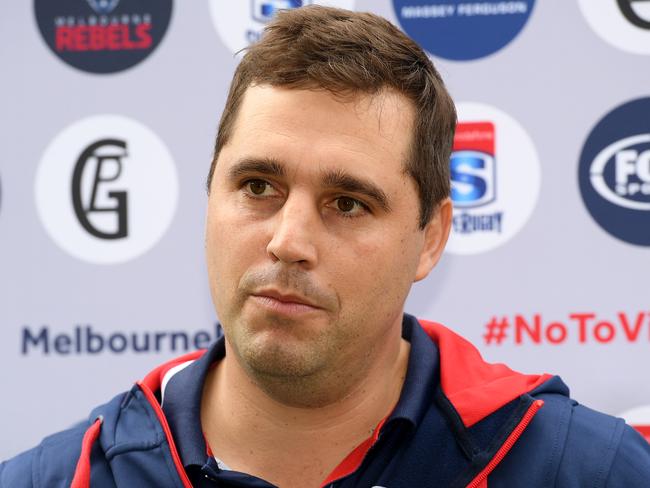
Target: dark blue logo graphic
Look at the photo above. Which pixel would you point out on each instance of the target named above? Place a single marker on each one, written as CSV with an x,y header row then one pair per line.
x,y
102,36
614,172
89,340
472,176
636,12
462,30
265,10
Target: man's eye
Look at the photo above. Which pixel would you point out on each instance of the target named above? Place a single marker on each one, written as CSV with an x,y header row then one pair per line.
x,y
350,207
257,187
346,204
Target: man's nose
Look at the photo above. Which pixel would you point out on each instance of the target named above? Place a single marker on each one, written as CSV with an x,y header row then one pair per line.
x,y
294,232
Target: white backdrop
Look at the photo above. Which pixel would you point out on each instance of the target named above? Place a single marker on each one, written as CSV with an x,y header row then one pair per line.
x,y
541,271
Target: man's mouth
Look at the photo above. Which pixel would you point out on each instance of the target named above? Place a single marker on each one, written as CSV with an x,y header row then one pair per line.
x,y
284,303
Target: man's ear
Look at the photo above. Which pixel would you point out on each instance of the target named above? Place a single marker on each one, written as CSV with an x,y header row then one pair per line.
x,y
436,234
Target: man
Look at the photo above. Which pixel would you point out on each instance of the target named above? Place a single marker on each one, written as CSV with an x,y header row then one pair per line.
x,y
328,198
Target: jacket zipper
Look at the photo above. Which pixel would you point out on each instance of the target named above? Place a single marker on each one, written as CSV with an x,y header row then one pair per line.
x,y
507,445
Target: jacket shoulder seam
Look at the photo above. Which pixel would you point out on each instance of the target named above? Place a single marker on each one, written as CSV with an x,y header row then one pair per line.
x,y
610,453
559,443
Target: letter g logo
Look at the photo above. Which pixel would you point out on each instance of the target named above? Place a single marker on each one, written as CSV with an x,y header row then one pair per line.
x,y
101,154
106,189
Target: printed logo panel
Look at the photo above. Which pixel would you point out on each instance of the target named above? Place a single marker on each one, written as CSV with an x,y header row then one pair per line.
x,y
624,24
102,36
460,30
495,179
106,189
614,172
241,23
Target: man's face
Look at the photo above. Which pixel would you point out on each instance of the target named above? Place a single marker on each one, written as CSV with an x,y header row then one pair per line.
x,y
312,230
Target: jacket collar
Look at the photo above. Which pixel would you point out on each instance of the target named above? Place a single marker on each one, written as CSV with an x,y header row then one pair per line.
x,y
181,385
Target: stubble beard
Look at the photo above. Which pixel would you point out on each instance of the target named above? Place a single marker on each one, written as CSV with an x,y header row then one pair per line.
x,y
302,372
297,364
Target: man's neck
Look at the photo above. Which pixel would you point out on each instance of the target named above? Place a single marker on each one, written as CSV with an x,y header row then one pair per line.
x,y
290,446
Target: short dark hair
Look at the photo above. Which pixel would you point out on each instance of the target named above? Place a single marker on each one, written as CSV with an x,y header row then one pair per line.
x,y
345,53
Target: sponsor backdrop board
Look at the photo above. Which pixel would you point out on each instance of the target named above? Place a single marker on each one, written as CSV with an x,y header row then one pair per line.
x,y
109,112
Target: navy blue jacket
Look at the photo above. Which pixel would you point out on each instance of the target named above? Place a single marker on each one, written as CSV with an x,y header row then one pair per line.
x,y
477,425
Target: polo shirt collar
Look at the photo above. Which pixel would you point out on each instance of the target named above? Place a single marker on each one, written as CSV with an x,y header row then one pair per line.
x,y
421,374
181,405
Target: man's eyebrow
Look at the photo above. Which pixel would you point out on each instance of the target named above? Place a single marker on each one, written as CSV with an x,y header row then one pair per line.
x,y
264,166
339,179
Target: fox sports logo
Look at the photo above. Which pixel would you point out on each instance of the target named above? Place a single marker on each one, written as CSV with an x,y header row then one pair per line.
x,y
614,172
627,183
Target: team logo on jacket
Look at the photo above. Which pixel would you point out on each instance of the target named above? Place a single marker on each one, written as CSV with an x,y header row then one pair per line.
x,y
106,189
495,179
462,30
241,23
622,23
614,172
102,36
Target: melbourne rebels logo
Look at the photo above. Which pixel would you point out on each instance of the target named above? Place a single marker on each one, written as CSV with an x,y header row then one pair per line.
x,y
102,36
614,172
106,189
241,23
495,178
473,181
103,159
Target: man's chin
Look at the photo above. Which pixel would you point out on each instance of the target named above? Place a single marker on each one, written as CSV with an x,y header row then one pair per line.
x,y
282,357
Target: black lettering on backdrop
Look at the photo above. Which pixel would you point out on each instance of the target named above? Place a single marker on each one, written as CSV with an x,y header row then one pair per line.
x,y
88,340
97,151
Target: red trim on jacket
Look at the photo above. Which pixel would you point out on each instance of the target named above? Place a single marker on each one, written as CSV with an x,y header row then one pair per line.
x,y
481,479
475,388
148,393
153,380
152,383
81,477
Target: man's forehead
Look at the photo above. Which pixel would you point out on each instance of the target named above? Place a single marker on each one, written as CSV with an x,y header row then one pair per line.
x,y
379,105
313,129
